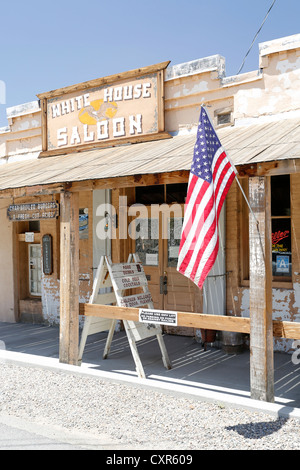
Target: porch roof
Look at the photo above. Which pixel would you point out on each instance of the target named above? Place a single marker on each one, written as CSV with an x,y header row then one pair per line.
x,y
254,143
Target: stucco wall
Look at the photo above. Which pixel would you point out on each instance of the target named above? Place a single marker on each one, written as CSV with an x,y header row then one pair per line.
x,y
7,305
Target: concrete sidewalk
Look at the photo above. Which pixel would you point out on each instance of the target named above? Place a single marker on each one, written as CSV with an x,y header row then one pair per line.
x,y
209,375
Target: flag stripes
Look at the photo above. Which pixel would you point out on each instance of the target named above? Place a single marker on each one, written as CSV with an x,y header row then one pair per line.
x,y
211,176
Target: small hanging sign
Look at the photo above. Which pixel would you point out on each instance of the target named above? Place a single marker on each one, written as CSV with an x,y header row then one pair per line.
x,y
29,237
47,254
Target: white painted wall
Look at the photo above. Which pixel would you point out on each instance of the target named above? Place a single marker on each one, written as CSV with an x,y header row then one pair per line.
x,y
7,308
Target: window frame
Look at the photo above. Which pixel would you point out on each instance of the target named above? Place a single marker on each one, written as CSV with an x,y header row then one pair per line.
x,y
285,282
37,294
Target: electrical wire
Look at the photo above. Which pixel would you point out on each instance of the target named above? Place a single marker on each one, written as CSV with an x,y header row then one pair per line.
x,y
242,65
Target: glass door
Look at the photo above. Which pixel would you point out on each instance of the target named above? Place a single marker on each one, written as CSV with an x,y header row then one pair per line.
x,y
180,292
157,240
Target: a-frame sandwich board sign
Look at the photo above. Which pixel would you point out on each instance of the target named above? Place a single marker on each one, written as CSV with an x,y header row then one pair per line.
x,y
124,276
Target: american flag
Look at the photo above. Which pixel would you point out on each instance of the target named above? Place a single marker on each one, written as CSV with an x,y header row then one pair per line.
x,y
211,176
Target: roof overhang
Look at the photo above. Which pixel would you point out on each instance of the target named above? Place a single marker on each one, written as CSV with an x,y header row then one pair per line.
x,y
273,145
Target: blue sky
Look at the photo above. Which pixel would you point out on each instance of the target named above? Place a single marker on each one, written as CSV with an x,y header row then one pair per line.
x,y
48,45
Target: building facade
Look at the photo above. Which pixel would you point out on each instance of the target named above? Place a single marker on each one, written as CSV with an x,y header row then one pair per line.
x,y
131,197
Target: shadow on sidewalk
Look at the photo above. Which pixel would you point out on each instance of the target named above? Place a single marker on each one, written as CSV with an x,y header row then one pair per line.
x,y
191,365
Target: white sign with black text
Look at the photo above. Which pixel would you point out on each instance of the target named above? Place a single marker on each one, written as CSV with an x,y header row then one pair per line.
x,y
160,317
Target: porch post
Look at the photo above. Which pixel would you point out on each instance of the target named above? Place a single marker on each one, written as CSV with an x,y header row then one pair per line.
x,y
260,260
69,278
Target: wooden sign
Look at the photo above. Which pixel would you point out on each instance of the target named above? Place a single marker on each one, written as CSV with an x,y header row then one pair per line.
x,y
120,108
47,254
33,211
160,317
126,269
135,300
129,282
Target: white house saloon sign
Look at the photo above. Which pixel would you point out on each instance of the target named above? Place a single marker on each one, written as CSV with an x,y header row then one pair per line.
x,y
108,111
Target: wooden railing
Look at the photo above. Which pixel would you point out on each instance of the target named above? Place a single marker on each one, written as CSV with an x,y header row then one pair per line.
x,y
281,329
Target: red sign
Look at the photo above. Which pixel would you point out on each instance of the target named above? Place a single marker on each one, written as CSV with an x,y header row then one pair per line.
x,y
278,236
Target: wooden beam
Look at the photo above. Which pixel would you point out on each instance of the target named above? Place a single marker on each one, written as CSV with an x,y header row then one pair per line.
x,y
151,179
172,177
188,319
69,278
31,191
273,168
43,104
286,329
195,320
261,328
281,329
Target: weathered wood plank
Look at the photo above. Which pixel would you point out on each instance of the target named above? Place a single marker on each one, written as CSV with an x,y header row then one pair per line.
x,y
30,191
69,275
285,329
289,330
131,181
196,320
151,179
277,167
43,104
260,263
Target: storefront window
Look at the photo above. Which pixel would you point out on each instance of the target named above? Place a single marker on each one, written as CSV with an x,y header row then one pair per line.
x,y
174,236
176,193
281,227
159,194
281,230
150,195
147,241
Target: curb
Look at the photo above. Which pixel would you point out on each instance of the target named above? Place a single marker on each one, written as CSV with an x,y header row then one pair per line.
x,y
189,390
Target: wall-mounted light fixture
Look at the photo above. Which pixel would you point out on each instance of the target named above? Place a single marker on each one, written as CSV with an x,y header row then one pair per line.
x,y
110,219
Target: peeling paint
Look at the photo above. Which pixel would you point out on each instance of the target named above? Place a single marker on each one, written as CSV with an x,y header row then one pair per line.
x,y
245,303
198,88
286,305
50,300
271,106
244,97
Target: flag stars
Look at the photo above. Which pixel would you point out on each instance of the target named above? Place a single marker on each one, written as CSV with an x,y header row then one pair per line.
x,y
205,148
